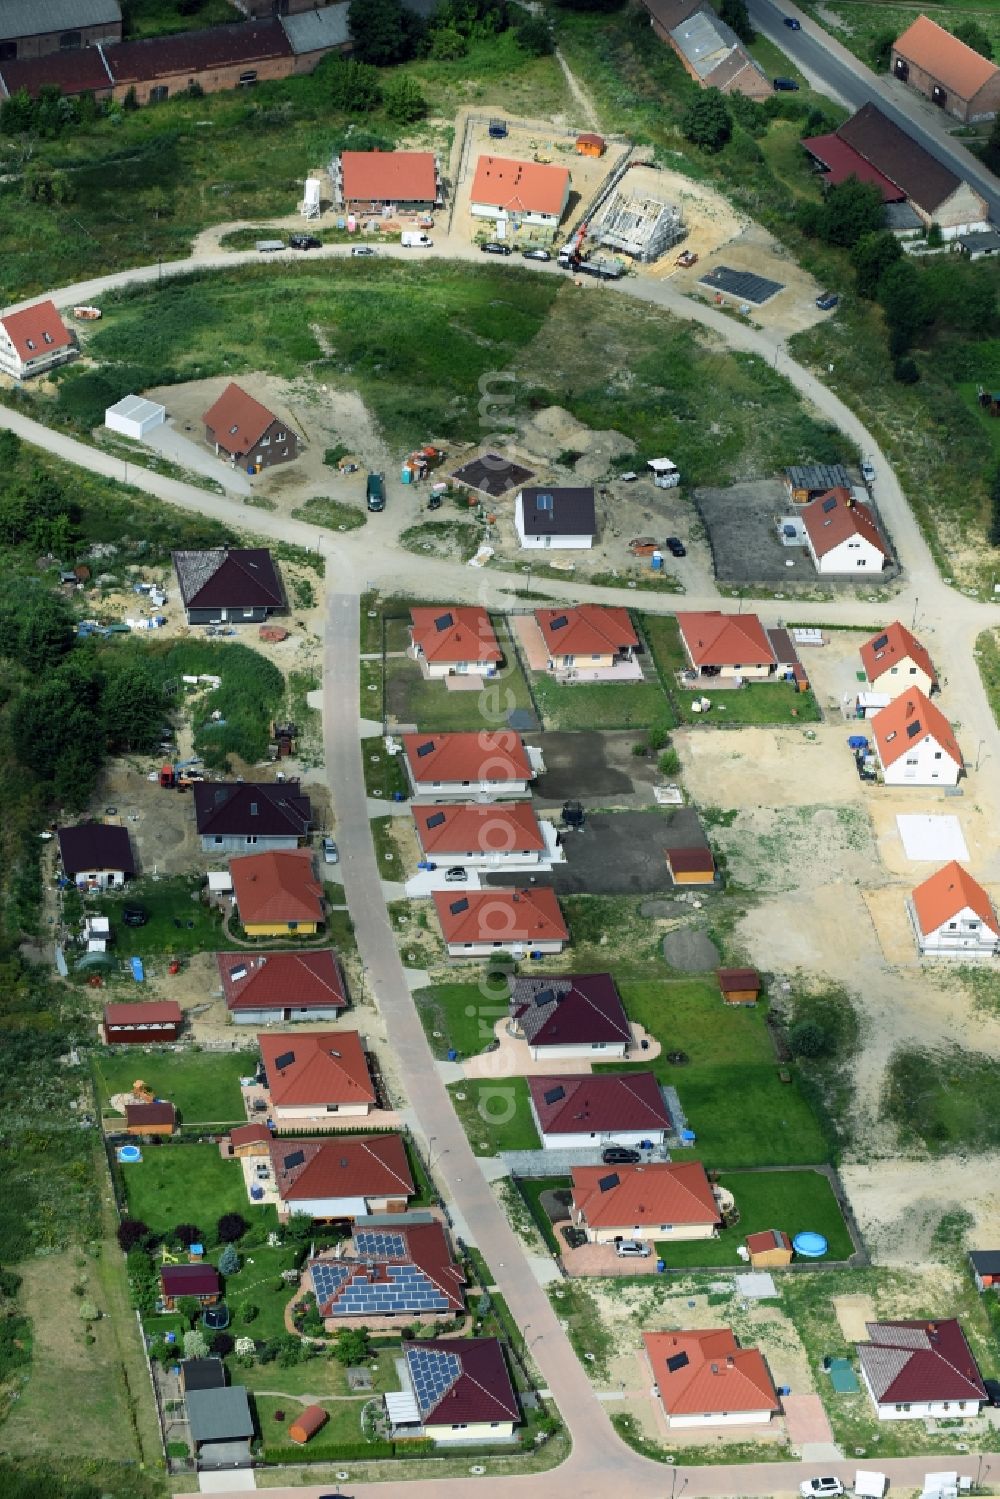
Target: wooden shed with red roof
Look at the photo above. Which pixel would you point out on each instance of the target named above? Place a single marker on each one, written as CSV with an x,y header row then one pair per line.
x,y
139,1024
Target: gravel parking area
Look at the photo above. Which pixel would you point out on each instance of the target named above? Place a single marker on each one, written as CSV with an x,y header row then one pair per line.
x,y
623,853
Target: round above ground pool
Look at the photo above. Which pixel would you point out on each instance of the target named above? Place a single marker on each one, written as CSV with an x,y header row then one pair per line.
x,y
809,1245
129,1154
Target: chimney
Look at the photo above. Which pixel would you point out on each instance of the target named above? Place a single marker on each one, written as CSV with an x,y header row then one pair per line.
x,y
730,1361
715,1368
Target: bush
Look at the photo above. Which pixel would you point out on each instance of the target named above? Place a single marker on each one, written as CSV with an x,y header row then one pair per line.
x,y
249,1312
351,1345
669,762
230,1227
707,121
131,1231
188,1234
905,371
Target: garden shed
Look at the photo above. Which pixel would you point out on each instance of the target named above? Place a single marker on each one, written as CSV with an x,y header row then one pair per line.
x,y
308,1423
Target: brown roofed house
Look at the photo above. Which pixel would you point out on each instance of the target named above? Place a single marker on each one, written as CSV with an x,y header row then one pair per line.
x,y
223,583
276,987
150,1118
232,816
201,1281
607,1108
569,1015
245,432
462,1390
936,193
739,986
914,1370
97,855
218,57
950,74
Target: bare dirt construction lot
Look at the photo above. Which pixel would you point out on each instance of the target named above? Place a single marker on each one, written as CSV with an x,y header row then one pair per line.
x,y
710,220
899,1204
754,249
778,845
768,767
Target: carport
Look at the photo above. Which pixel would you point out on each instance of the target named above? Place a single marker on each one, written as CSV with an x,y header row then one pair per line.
x,y
134,416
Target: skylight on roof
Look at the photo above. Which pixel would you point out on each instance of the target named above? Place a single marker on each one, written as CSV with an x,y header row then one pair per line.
x,y
285,1060
677,1361
435,820
830,504
424,749
458,906
881,643
606,1183
544,502
913,729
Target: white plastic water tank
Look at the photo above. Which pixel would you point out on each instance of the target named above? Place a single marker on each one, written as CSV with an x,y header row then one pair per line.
x,y
311,198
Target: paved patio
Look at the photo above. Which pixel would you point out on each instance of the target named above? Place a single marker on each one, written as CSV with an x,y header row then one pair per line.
x,y
513,1057
805,1419
600,1259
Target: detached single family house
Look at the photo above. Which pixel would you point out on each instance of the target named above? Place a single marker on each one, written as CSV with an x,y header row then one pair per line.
x,y
726,645
139,1024
460,1392
705,1378
97,855
494,762
499,835
913,1370
953,917
569,1015
397,1266
659,1200
842,535
894,660
277,894
34,340
476,923
521,190
342,1179
316,1078
236,815
559,518
607,1108
460,641
590,642
950,74
368,182
200,1281
245,432
229,583
915,743
274,988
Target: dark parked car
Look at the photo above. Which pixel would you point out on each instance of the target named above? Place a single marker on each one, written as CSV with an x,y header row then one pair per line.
x,y
619,1155
827,300
792,23
135,915
494,247
785,86
536,254
304,242
676,547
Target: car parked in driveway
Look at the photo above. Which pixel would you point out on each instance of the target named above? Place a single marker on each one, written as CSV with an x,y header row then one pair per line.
x,y
620,1155
331,853
456,875
536,254
868,471
676,547
827,300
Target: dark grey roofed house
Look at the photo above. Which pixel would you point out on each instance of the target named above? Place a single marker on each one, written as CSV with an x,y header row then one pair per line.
x,y
221,1426
546,511
97,853
233,816
239,584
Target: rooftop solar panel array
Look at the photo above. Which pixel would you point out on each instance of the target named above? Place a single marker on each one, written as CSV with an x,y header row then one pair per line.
x,y
377,1244
432,1374
327,1277
406,1290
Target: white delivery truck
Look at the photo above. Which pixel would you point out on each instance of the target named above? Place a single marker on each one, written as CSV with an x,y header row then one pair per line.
x,y
415,240
870,1485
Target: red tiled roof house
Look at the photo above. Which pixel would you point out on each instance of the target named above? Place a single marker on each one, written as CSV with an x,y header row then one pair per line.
x,y
894,660
341,1180
522,190
277,894
245,432
659,1201
316,1078
953,917
913,1370
476,923
401,181
726,645
705,1378
842,535
915,743
397,1266
493,835
459,641
496,762
950,74
276,987
609,1108
33,341
591,639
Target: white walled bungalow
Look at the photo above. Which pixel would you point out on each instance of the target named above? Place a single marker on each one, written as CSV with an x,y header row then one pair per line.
x,y
315,1079
460,1392
347,1178
657,1200
494,835
609,1108
704,1378
491,763
915,743
564,1015
953,917
915,1370
526,191
458,641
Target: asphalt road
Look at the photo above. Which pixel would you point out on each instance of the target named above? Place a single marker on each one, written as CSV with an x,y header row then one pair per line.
x,y
832,68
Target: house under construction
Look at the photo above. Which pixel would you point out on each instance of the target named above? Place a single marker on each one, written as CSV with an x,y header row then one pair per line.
x,y
638,225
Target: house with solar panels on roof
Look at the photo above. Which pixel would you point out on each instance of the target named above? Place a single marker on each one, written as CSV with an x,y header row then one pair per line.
x,y
569,1015
459,1391
316,1079
494,835
843,535
915,743
611,1108
471,764
454,642
397,1265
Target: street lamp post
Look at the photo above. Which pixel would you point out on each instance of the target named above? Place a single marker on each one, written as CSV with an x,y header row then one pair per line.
x,y
979,751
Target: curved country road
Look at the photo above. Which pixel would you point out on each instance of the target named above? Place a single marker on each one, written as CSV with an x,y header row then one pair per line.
x,y
599,1463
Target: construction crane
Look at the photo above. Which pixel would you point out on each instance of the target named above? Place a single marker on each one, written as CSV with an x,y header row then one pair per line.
x,y
569,255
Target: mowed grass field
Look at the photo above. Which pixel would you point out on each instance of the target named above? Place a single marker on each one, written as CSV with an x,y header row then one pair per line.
x,y
204,1087
601,705
730,1089
188,1184
496,1116
787,1200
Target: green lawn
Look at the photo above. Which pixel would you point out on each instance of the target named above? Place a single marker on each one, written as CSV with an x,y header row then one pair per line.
x,y
531,1189
333,515
947,1099
259,1282
412,699
322,1376
462,1015
178,921
203,1086
730,1089
789,1200
188,1184
384,773
390,865
495,1115
759,703
344,1424
601,705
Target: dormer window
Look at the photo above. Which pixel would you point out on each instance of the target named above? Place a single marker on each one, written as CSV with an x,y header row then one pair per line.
x,y
30,342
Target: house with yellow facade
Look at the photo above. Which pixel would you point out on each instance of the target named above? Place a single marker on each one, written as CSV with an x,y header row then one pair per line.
x,y
277,893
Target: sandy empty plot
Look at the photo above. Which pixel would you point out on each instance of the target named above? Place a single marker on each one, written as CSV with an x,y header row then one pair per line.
x,y
887,910
900,1203
768,767
789,848
852,1314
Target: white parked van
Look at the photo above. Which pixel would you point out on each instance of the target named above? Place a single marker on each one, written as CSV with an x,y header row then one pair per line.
x,y
415,240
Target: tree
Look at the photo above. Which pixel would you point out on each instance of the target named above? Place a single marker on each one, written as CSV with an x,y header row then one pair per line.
x,y
736,15
246,1348
707,122
132,704
901,294
404,102
807,1039
36,629
131,1231
143,1280
447,44
991,150
231,1227
871,258
906,371
188,1234
188,1307
223,1344
535,38
249,1312
354,86
994,530
972,34
195,1344
852,209
381,32
351,1345
881,50
229,1261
